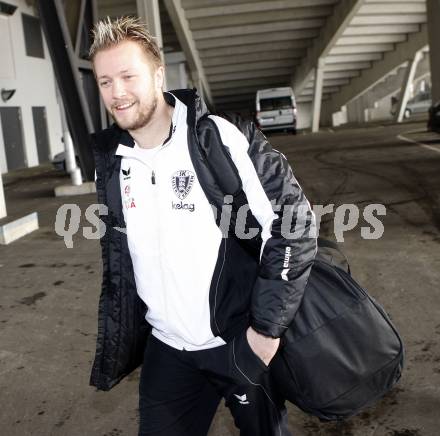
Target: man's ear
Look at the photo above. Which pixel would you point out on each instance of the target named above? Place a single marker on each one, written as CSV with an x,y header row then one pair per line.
x,y
159,76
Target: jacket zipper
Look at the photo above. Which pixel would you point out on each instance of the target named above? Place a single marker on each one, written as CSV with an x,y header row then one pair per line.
x,y
158,222
153,173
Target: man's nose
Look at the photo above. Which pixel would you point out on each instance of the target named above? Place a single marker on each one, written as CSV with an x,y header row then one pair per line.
x,y
118,90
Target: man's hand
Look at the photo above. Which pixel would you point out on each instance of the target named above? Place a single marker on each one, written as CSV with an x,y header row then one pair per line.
x,y
263,346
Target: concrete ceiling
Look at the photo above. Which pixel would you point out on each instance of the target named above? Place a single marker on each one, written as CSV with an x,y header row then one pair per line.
x,y
239,46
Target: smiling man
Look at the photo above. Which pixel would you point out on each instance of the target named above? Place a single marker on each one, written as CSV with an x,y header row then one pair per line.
x,y
203,313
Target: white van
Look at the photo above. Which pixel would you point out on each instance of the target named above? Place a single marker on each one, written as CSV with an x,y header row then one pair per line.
x,y
276,109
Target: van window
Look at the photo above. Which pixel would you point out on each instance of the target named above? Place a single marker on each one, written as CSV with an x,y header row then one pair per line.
x,y
270,104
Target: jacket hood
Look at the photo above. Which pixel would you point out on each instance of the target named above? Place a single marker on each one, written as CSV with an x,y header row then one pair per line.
x,y
195,104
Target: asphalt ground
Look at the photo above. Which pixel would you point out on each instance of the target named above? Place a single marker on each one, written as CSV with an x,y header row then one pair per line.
x,y
49,293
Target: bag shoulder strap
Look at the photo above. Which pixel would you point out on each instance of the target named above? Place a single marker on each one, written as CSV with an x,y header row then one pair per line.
x,y
223,169
219,160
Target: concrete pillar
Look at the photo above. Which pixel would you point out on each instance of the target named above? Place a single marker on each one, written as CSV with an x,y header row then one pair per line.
x,y
354,111
177,78
406,86
2,199
317,95
69,150
433,14
148,11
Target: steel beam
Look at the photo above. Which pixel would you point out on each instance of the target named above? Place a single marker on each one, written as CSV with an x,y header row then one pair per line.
x,y
272,72
258,39
64,62
340,74
269,82
293,13
334,27
317,95
370,39
384,8
362,57
181,26
274,55
368,20
195,9
228,50
358,49
251,66
79,26
347,66
385,29
73,13
257,29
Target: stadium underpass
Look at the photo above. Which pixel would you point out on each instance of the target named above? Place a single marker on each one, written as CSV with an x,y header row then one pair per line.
x,y
355,67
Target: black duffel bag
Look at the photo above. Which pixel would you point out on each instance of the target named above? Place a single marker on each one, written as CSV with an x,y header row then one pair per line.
x,y
341,352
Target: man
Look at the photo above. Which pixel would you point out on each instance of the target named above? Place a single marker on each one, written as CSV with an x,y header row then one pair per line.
x,y
216,313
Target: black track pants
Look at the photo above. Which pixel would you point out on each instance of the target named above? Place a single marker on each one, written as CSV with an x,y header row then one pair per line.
x,y
179,391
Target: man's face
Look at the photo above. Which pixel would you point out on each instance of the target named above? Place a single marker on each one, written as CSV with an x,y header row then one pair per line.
x,y
129,83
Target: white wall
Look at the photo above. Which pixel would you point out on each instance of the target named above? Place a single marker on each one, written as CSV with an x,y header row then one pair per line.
x,y
304,120
382,109
34,81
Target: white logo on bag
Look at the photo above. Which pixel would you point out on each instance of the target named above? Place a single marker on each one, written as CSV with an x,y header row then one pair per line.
x,y
242,399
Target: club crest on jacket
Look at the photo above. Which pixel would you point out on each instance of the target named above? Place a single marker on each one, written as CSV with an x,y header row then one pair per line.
x,y
182,182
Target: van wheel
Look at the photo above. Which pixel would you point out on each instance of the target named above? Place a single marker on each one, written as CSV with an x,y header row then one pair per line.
x,y
294,131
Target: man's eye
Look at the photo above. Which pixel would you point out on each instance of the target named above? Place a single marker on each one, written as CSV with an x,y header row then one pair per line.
x,y
128,77
104,83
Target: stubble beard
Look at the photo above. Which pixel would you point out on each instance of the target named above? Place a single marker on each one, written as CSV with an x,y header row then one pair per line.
x,y
143,117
